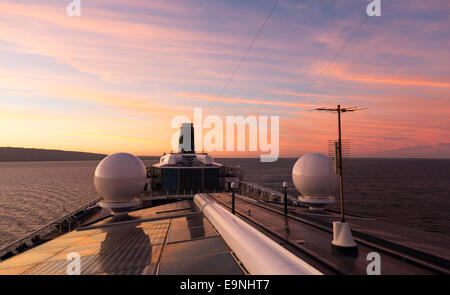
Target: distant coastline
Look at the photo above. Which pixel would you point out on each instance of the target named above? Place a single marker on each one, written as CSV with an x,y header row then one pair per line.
x,y
16,154
19,154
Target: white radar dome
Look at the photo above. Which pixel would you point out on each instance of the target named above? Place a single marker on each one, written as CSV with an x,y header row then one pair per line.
x,y
313,178
120,177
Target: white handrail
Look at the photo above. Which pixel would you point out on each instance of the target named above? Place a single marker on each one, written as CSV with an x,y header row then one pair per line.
x,y
259,254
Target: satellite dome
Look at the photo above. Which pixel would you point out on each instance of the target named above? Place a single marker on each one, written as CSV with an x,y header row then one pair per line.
x,y
120,177
312,176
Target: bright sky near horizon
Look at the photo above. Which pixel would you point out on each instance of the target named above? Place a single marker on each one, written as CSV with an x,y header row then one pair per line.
x,y
112,79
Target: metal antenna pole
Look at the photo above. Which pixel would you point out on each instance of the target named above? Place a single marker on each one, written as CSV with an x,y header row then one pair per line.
x,y
341,184
338,156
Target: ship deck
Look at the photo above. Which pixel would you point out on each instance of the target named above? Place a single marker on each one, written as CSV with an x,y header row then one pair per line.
x,y
402,251
166,239
176,238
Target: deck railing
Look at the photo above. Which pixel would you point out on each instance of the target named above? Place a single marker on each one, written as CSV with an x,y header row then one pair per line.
x,y
262,193
28,240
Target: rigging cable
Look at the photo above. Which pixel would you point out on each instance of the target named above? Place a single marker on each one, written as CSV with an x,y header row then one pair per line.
x,y
249,48
337,54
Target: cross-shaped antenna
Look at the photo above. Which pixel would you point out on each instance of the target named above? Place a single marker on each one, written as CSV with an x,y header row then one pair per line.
x,y
342,110
339,110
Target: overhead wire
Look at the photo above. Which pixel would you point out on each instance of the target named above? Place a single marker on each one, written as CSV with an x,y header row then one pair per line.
x,y
337,54
249,47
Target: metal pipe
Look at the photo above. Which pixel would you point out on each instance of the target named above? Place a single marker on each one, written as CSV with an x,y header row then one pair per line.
x,y
258,253
341,184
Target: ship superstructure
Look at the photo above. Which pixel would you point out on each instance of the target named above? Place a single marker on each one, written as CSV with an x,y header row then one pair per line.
x,y
187,171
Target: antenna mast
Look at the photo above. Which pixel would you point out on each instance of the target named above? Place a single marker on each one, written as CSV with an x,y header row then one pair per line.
x,y
338,160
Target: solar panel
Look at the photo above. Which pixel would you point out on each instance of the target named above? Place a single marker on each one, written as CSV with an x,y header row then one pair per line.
x,y
214,264
190,242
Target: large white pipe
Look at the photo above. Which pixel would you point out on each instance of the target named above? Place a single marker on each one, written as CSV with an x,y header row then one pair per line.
x,y
259,254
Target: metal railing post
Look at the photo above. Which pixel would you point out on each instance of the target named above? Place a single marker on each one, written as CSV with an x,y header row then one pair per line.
x,y
233,184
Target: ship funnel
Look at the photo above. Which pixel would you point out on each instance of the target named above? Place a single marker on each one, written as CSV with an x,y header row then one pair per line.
x,y
186,140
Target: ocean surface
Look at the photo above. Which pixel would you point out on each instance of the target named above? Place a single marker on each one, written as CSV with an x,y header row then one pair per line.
x,y
409,192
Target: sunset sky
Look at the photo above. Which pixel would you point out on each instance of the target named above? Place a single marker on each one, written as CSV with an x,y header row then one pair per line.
x,y
112,79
